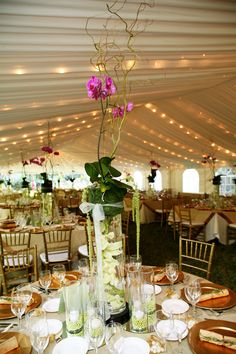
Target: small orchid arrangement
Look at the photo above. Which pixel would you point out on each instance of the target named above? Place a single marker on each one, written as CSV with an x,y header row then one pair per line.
x,y
211,161
154,165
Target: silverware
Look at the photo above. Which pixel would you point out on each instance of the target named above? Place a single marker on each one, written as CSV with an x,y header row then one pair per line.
x,y
5,327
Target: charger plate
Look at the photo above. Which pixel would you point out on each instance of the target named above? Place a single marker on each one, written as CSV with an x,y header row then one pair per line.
x,y
5,309
70,275
222,327
165,280
220,303
22,339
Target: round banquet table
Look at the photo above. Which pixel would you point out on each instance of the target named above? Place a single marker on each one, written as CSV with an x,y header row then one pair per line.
x,y
172,347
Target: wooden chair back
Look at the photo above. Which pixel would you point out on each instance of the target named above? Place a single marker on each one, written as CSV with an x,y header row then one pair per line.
x,y
18,266
196,256
11,240
57,241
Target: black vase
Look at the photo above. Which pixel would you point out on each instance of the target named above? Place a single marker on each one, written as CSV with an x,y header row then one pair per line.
x,y
153,172
25,183
46,186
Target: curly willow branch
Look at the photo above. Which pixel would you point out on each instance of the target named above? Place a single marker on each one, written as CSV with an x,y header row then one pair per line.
x,y
111,59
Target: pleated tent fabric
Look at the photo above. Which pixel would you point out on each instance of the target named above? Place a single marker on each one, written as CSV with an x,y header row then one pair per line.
x,y
183,84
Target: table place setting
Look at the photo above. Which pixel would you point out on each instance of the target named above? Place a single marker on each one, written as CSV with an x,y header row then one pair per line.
x,y
160,321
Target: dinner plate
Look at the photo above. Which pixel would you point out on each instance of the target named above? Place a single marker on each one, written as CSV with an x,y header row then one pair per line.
x,y
5,309
165,280
22,339
165,326
174,306
222,327
54,327
220,303
157,289
135,345
72,345
52,305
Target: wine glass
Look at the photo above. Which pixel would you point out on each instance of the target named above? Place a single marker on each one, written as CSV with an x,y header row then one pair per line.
x,y
163,327
83,267
38,327
172,272
181,329
18,305
59,272
114,337
45,279
95,331
26,292
192,293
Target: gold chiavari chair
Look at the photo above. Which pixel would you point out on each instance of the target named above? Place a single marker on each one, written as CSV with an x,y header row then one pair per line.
x,y
196,256
12,240
187,227
57,247
231,233
85,249
17,267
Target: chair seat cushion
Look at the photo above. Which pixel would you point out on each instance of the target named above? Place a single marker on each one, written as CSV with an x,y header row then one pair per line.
x,y
232,226
56,256
83,250
22,261
185,223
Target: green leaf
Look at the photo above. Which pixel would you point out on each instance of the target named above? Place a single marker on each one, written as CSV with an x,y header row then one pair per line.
x,y
91,169
114,172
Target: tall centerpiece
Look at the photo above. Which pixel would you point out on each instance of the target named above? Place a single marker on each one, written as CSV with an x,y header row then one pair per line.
x,y
103,200
215,179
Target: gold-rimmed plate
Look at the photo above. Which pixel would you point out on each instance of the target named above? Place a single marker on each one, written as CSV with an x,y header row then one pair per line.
x,y
22,339
220,303
5,309
226,328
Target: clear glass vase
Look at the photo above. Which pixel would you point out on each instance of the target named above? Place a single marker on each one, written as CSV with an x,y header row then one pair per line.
x,y
113,264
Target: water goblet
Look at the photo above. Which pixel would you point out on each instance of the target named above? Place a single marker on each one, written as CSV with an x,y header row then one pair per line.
x,y
192,292
26,291
18,305
114,337
172,273
59,272
45,279
39,333
181,329
163,327
83,267
95,331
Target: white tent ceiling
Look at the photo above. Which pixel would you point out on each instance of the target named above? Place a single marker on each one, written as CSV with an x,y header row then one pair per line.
x,y
183,84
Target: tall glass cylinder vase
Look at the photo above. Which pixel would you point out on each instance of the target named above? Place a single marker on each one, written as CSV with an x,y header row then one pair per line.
x,y
46,208
113,263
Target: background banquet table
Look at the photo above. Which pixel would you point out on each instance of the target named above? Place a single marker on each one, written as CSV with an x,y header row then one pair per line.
x,y
216,221
172,347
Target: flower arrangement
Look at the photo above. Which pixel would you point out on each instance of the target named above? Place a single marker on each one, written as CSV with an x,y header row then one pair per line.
x,y
110,89
211,161
154,167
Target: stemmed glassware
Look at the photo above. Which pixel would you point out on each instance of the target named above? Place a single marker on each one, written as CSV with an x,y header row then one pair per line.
x,y
114,337
18,305
181,329
192,293
95,331
26,291
59,272
38,327
172,273
83,267
45,279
